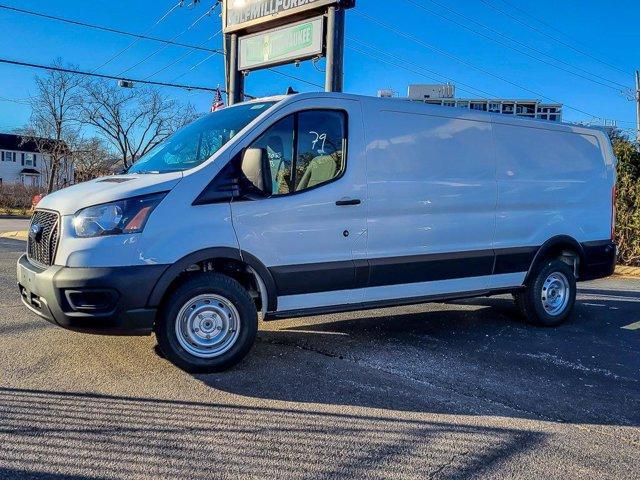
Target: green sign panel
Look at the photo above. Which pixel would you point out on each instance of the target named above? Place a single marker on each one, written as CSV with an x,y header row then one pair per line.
x,y
282,45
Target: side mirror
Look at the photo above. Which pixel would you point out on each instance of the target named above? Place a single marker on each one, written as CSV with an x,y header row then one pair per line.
x,y
257,169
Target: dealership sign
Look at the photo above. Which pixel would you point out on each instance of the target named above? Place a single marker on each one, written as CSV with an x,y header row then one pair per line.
x,y
282,45
242,14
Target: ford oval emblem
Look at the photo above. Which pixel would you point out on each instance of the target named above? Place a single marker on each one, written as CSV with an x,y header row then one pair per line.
x,y
35,232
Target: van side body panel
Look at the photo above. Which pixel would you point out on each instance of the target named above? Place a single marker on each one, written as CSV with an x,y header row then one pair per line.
x,y
454,207
431,200
550,182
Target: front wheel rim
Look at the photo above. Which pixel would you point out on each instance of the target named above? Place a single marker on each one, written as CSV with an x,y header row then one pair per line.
x,y
555,293
208,326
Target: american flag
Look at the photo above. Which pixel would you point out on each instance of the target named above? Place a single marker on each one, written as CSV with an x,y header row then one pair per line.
x,y
218,102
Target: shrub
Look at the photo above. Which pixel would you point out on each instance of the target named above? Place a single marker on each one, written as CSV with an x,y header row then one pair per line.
x,y
16,198
628,203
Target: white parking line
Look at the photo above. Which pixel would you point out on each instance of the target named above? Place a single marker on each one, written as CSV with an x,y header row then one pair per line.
x,y
632,326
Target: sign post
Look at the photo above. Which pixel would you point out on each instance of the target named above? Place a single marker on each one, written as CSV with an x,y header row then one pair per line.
x,y
265,33
335,50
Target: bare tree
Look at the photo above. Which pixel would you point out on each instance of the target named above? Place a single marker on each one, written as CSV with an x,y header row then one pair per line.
x,y
92,159
133,121
53,126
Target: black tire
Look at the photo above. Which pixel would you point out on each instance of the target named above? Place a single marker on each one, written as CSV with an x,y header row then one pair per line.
x,y
530,300
190,289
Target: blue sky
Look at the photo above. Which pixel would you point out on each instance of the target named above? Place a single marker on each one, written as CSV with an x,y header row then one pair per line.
x,y
606,31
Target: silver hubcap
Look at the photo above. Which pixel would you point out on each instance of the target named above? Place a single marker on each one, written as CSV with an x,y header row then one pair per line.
x,y
555,293
207,326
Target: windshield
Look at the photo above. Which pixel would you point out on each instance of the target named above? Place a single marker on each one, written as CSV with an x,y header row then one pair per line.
x,y
198,141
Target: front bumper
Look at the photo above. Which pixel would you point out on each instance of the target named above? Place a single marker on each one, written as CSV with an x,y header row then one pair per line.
x,y
109,301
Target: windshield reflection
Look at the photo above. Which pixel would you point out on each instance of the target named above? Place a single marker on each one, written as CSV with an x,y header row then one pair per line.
x,y
198,141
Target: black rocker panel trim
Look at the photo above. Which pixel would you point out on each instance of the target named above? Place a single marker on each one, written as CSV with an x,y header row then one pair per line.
x,y
597,258
314,277
346,275
513,260
427,268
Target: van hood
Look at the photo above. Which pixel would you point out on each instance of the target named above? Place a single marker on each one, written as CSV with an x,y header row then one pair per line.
x,y
108,189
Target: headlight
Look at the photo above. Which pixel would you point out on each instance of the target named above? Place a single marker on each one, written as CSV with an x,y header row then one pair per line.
x,y
123,216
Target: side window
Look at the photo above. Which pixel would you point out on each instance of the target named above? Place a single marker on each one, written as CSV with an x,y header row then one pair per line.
x,y
320,148
305,150
278,144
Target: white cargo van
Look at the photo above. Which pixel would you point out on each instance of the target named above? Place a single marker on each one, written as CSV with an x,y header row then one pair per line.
x,y
317,203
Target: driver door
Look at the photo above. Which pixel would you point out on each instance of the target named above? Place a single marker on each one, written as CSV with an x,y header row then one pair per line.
x,y
312,231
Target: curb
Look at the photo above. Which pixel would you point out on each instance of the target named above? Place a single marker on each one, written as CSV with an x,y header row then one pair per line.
x,y
628,271
17,235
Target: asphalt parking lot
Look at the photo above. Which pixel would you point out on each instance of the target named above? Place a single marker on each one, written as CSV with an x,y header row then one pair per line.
x,y
457,390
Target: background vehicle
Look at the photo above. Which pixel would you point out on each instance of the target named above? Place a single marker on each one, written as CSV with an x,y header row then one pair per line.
x,y
319,203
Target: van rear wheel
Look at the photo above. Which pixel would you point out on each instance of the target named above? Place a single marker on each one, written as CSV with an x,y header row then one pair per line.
x,y
550,295
208,324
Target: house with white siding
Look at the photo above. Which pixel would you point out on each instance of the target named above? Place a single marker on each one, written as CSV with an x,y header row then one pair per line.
x,y
26,161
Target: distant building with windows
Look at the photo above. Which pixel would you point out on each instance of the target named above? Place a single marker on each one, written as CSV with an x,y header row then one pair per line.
x,y
23,161
444,95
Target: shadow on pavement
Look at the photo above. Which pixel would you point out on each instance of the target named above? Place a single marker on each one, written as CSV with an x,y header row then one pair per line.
x,y
609,293
17,328
52,435
452,360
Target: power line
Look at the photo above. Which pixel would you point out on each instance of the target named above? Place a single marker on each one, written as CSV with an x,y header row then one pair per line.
x,y
388,62
194,66
182,57
101,75
272,70
464,62
140,36
548,25
175,37
403,66
132,44
21,101
293,77
106,29
546,35
609,83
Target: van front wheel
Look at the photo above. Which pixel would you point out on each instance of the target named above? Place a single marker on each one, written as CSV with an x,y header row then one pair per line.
x,y
208,324
550,296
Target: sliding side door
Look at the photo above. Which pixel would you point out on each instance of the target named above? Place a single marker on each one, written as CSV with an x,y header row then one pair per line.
x,y
431,203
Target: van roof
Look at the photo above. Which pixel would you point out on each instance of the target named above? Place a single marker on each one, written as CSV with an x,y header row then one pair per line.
x,y
418,107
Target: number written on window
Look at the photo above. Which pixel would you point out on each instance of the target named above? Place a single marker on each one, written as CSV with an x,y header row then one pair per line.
x,y
305,150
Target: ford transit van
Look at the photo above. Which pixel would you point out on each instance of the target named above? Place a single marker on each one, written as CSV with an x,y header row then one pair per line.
x,y
316,203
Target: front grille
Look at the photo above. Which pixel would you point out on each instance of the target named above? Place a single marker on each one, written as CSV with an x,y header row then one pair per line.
x,y
41,247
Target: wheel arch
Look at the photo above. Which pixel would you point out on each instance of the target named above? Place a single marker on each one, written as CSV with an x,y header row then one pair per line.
x,y
553,248
172,273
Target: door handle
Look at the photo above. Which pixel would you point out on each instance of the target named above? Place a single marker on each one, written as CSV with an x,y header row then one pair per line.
x,y
348,202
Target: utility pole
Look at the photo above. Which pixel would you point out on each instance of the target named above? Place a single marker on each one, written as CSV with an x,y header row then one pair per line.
x,y
638,105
